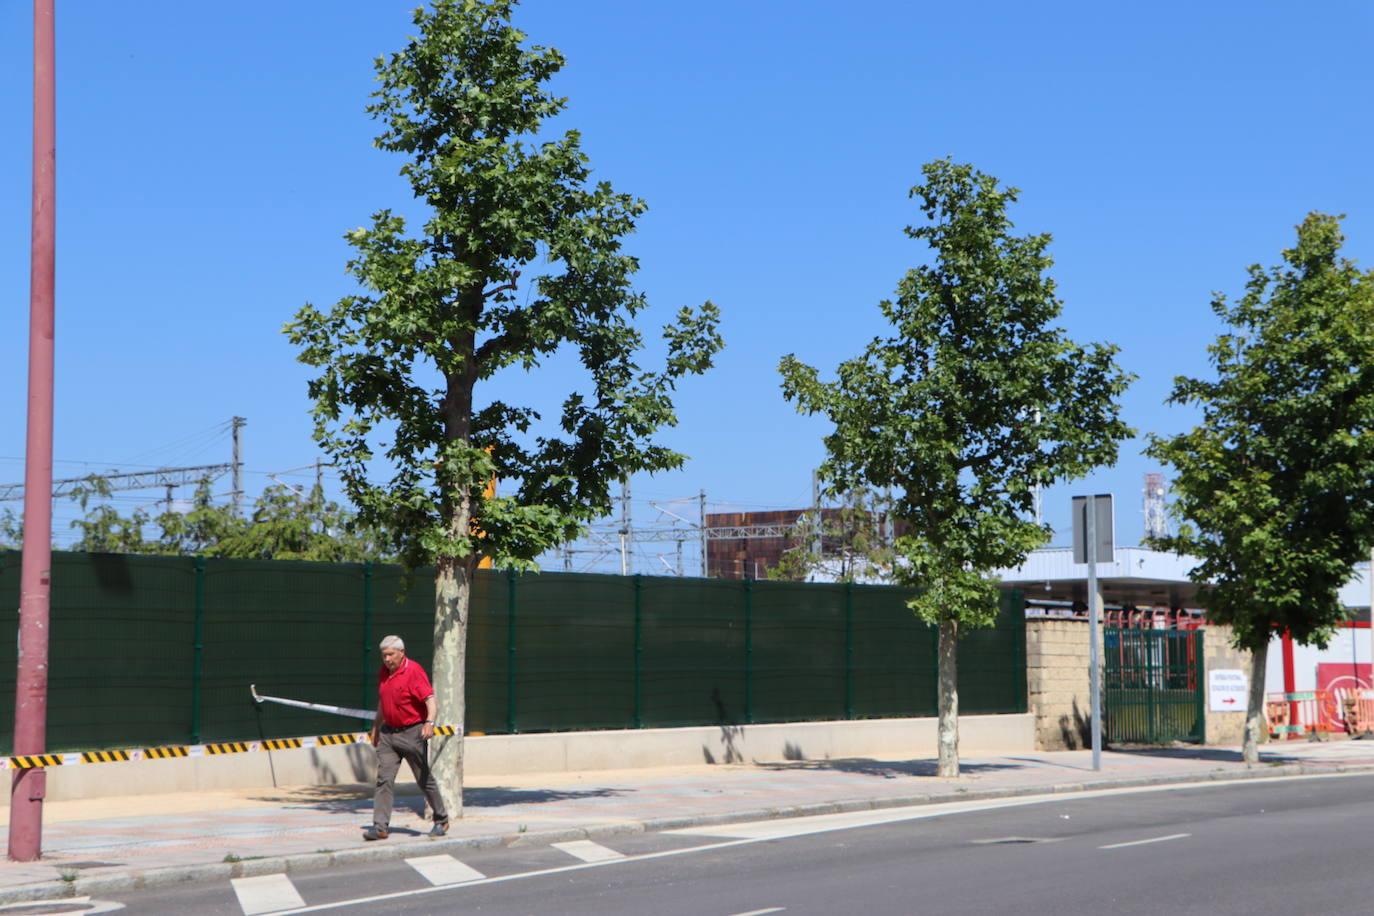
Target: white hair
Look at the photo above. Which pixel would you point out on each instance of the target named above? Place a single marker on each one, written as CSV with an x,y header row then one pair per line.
x,y
393,642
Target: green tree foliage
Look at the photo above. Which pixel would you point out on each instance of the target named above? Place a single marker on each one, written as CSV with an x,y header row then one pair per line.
x,y
284,525
287,524
973,399
402,365
11,530
850,544
1275,486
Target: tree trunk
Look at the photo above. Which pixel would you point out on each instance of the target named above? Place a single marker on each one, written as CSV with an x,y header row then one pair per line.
x,y
1256,727
949,698
453,578
452,592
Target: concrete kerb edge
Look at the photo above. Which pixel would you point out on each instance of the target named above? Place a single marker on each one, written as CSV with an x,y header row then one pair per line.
x,y
165,877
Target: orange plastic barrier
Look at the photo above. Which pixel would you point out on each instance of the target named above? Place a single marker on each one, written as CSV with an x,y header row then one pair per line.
x,y
1355,710
1304,712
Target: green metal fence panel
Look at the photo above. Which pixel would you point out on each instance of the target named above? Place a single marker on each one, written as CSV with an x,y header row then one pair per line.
x,y
293,629
161,650
403,606
692,654
575,636
798,634
9,645
1152,686
120,650
992,665
893,655
493,659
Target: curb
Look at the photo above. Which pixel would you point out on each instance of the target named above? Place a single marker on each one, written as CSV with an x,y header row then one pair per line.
x,y
222,871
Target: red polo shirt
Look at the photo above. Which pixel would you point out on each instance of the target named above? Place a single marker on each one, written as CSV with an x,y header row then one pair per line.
x,y
403,694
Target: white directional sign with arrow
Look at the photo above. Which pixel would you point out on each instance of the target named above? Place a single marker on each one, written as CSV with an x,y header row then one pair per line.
x,y
1227,690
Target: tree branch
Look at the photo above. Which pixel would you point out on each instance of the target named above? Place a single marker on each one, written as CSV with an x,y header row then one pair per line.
x,y
506,286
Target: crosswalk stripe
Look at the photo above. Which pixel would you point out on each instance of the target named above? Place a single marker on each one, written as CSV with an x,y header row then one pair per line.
x,y
266,894
588,851
443,869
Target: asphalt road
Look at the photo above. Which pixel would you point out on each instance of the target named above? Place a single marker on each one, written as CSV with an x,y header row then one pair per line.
x,y
1290,846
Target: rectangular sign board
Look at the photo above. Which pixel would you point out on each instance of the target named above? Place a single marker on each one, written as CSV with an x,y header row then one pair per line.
x,y
1228,690
1102,506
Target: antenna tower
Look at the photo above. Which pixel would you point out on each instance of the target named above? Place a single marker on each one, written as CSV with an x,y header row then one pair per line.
x,y
1156,518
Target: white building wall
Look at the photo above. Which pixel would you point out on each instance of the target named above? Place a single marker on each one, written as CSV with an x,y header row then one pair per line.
x,y
1349,645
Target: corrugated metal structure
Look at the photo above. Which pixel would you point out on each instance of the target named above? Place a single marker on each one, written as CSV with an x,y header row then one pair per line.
x,y
746,545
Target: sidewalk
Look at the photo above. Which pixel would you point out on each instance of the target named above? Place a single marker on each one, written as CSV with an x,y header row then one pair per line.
x,y
107,845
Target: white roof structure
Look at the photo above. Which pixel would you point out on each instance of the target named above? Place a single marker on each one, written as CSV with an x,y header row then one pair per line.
x,y
1136,576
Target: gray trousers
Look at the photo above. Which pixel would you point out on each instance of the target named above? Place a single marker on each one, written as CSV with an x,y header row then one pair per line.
x,y
392,748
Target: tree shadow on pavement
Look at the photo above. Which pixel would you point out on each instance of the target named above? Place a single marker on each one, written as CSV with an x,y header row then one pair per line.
x,y
887,769
496,796
342,797
359,797
1181,752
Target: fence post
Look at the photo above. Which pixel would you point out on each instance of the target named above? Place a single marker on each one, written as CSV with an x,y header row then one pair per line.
x,y
1199,669
510,651
369,695
198,648
748,651
639,653
1152,672
849,650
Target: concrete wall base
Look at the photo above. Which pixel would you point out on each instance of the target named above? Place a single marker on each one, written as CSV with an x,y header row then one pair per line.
x,y
554,752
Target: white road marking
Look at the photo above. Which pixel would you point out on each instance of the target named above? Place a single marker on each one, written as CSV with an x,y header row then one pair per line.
x,y
782,828
588,851
443,869
266,894
954,808
1158,839
771,909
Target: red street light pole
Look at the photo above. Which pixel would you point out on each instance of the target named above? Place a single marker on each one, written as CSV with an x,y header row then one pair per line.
x,y
27,788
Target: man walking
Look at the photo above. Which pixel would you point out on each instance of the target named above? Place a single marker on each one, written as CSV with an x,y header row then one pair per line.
x,y
406,712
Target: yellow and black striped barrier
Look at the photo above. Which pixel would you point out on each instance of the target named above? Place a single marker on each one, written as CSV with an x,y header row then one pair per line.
x,y
105,756
35,761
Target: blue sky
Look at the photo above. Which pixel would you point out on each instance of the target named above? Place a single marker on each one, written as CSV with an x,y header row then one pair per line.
x,y
210,157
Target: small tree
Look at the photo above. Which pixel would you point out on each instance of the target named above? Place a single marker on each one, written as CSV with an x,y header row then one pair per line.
x,y
287,524
850,544
973,400
284,525
11,529
1276,485
402,363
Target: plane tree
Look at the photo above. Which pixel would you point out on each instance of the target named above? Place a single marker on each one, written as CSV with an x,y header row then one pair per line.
x,y
517,262
1274,487
972,399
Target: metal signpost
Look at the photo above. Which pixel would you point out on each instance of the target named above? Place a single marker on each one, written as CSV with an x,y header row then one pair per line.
x,y
1092,539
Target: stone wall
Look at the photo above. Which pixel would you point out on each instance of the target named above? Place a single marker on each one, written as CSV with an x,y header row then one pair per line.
x,y
1226,728
1057,683
1058,693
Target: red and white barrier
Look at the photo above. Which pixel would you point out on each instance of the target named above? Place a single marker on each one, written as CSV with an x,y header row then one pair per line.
x,y
1304,712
